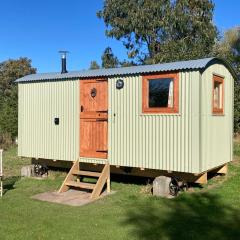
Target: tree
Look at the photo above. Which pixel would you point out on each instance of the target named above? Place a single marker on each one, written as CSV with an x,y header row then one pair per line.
x,y
108,59
126,63
161,30
94,65
11,70
229,48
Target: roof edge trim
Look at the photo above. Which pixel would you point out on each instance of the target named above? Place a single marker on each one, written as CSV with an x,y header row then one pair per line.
x,y
226,63
198,64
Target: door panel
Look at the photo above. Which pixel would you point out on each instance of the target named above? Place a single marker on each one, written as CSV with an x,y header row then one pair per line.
x,y
93,138
93,118
91,103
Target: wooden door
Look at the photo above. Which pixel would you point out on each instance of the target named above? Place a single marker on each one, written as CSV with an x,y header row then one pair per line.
x,y
93,118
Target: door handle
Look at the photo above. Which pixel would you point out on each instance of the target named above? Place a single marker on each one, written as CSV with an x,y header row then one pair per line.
x,y
81,108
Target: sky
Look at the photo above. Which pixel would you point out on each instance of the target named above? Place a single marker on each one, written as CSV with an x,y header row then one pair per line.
x,y
39,29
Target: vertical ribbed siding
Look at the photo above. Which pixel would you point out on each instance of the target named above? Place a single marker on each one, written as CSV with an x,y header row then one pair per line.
x,y
174,142
39,104
155,141
216,131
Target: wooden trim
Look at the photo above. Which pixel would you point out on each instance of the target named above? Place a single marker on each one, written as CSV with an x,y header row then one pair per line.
x,y
91,154
221,170
134,171
218,111
94,115
145,90
202,179
93,80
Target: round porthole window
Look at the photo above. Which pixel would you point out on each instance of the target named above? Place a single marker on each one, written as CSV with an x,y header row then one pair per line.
x,y
93,92
119,84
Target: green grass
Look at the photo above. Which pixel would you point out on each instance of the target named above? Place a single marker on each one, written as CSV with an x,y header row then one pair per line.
x,y
212,212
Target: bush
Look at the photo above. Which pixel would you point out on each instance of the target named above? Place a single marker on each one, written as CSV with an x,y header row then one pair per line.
x,y
5,141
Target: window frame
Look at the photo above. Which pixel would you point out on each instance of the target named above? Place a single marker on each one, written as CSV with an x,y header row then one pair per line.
x,y
219,79
145,93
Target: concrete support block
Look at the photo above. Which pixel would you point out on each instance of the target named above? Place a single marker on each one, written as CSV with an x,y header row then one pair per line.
x,y
161,186
27,171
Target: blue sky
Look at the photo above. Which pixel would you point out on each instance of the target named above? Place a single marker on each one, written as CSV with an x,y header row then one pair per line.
x,y
38,29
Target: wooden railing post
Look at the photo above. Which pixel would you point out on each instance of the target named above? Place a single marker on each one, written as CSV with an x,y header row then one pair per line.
x,y
1,172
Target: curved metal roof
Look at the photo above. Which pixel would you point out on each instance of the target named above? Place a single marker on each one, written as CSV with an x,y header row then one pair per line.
x,y
198,64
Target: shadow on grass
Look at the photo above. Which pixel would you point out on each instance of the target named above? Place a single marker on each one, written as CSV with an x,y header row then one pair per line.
x,y
9,182
128,179
196,216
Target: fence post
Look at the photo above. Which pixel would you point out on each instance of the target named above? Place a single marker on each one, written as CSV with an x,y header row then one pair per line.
x,y
1,172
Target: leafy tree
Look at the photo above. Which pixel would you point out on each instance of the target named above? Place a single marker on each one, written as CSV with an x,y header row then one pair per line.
x,y
126,63
94,65
229,48
161,30
11,70
108,59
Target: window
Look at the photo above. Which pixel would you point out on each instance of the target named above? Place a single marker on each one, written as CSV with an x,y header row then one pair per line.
x,y
217,99
160,93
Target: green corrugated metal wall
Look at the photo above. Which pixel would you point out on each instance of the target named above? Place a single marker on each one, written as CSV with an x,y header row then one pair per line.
x,y
39,104
216,131
177,142
156,141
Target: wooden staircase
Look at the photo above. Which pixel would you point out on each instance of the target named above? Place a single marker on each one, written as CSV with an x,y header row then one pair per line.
x,y
74,176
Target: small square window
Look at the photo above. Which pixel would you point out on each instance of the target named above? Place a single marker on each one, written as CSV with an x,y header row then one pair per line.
x,y
217,98
160,93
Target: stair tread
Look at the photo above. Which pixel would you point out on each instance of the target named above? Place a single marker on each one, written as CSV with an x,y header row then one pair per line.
x,y
87,173
80,184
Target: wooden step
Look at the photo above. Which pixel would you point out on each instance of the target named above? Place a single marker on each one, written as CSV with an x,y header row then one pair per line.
x,y
80,184
103,178
86,173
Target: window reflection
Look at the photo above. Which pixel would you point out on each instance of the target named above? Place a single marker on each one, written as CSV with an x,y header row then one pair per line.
x,y
161,93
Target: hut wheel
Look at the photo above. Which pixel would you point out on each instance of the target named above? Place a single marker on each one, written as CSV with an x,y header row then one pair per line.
x,y
174,187
39,169
184,186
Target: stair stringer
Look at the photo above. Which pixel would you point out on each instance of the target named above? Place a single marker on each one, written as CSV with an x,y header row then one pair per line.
x,y
69,177
104,178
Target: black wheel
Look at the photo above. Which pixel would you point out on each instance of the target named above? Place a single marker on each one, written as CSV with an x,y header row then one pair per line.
x,y
37,169
184,186
174,187
44,170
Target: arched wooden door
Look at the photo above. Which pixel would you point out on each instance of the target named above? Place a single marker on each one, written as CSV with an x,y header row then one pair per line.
x,y
94,118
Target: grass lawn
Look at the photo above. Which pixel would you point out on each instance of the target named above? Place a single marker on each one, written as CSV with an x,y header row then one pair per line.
x,y
211,212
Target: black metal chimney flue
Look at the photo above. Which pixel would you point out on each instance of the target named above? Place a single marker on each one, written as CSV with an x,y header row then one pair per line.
x,y
64,61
